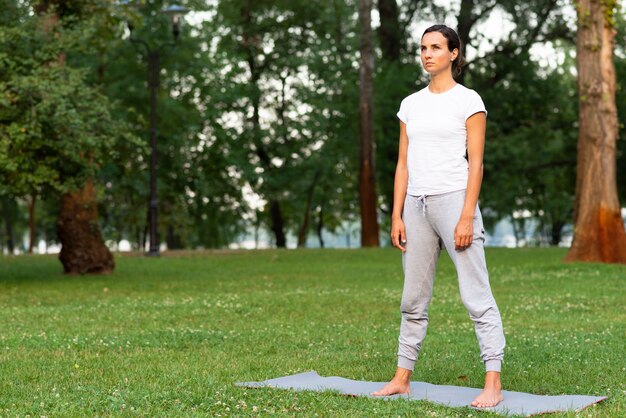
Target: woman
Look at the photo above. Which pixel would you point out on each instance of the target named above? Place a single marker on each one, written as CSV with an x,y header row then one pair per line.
x,y
437,182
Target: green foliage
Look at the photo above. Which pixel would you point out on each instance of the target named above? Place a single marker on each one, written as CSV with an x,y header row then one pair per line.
x,y
530,155
200,203
294,63
75,103
55,130
530,150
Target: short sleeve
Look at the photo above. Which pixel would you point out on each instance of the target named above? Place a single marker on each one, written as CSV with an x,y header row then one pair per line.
x,y
402,113
474,105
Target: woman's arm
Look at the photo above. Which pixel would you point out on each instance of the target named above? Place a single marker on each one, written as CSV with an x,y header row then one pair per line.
x,y
476,125
400,185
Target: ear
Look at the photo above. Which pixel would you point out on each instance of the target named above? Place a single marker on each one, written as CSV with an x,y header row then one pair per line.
x,y
455,54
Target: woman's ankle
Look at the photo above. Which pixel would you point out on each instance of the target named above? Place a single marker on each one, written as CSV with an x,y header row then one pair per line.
x,y
403,375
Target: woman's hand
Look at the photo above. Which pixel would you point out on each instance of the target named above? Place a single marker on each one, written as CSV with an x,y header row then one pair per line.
x,y
463,233
398,235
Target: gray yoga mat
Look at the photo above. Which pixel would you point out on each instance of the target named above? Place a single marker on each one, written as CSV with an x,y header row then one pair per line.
x,y
518,403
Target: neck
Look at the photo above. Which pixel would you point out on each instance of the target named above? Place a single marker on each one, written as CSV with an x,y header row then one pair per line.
x,y
441,82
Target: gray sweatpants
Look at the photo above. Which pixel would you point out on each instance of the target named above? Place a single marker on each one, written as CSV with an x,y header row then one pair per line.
x,y
429,223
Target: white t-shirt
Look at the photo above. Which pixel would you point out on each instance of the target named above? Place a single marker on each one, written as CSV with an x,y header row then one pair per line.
x,y
435,125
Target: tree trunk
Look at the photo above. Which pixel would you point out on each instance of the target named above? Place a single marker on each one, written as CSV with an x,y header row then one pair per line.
x,y
320,225
251,43
367,176
31,223
555,232
598,227
278,228
83,250
257,226
8,223
465,21
304,227
391,44
144,241
172,239
138,238
516,230
389,32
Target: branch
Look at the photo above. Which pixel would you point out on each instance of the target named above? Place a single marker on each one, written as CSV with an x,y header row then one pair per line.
x,y
510,47
412,8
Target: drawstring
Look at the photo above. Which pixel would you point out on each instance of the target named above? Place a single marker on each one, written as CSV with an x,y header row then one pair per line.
x,y
422,198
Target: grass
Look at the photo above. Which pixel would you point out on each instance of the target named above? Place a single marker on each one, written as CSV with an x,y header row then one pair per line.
x,y
170,336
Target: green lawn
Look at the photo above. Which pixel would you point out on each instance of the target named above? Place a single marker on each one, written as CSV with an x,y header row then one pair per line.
x,y
170,336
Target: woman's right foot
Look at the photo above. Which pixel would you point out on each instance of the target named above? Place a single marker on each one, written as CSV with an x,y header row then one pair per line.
x,y
400,384
393,388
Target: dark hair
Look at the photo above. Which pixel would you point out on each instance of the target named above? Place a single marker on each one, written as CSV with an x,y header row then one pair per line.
x,y
453,42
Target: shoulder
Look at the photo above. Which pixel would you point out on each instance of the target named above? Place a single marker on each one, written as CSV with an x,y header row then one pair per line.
x,y
470,101
468,93
414,97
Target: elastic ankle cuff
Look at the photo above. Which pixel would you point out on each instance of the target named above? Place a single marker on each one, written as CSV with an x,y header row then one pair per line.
x,y
406,363
493,365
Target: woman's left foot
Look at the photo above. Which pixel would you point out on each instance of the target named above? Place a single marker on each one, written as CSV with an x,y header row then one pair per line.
x,y
491,394
488,398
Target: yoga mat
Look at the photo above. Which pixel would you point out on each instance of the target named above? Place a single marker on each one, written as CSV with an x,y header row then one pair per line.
x,y
518,403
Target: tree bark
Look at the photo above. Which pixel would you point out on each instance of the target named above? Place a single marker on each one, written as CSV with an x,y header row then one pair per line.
x,y
83,250
465,21
278,227
598,227
304,227
367,176
555,232
389,32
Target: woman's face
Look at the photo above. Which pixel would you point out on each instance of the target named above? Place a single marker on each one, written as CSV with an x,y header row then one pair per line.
x,y
436,58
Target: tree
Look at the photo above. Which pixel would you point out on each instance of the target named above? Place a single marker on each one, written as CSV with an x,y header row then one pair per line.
x,y
82,247
200,200
55,130
530,108
367,171
598,227
281,102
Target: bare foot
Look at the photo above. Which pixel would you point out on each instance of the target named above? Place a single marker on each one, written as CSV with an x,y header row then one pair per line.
x,y
400,384
491,394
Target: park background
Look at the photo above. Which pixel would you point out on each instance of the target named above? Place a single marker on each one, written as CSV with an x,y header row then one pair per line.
x,y
258,119
260,139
